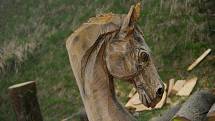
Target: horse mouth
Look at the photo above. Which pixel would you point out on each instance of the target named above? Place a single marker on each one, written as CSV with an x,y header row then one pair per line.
x,y
146,100
144,95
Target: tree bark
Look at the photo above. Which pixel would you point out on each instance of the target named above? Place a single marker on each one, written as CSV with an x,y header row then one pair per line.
x,y
211,113
196,107
24,101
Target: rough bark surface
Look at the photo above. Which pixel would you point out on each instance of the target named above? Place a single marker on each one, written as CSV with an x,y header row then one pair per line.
x,y
196,107
24,101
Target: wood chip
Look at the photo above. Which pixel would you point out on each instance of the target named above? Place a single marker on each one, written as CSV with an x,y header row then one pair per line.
x,y
170,86
211,113
198,60
132,92
188,87
135,102
178,85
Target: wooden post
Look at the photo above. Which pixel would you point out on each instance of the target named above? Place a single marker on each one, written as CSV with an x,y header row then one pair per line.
x,y
24,101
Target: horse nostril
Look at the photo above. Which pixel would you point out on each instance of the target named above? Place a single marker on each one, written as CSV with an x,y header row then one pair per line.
x,y
160,91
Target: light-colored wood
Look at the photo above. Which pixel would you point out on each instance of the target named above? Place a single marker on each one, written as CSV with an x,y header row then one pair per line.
x,y
170,86
132,92
188,87
133,101
198,60
211,113
24,101
21,85
178,85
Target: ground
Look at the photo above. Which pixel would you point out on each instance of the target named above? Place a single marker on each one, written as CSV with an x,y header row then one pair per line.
x,y
176,31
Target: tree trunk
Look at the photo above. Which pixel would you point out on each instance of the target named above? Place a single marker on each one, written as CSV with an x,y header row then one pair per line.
x,y
24,101
196,107
211,113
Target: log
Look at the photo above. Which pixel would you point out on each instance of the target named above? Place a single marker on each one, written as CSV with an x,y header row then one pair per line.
x,y
198,60
168,114
24,101
196,107
211,113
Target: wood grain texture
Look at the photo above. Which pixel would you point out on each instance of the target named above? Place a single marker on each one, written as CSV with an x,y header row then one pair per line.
x,y
112,46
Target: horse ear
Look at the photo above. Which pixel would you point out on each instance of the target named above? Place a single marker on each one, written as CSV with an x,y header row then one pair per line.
x,y
132,16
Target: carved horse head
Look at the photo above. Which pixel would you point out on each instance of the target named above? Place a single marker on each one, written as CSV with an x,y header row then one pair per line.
x,y
118,41
129,58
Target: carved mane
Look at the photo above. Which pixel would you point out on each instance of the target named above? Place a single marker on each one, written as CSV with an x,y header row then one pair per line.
x,y
89,37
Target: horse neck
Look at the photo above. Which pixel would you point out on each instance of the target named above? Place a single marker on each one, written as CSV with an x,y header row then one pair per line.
x,y
99,98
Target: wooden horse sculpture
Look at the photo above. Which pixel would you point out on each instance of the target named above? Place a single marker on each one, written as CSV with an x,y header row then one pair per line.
x,y
112,46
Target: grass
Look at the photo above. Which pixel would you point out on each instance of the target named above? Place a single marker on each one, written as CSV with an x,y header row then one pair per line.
x,y
176,32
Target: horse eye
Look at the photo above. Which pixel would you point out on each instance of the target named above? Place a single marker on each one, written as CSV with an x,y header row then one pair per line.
x,y
144,57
